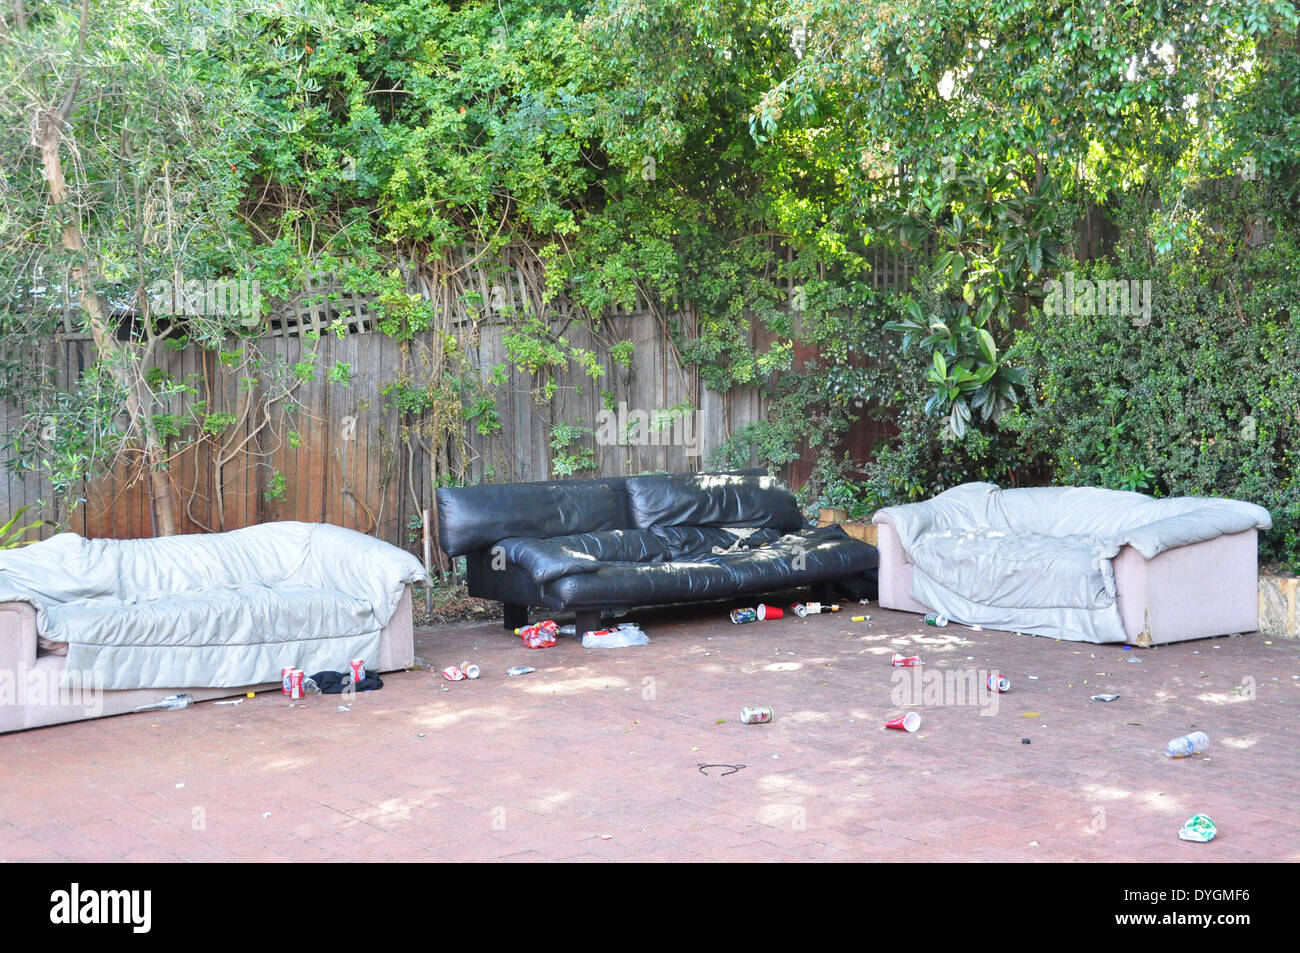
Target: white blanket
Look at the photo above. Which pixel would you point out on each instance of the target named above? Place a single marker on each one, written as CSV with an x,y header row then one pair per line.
x,y
220,610
1039,559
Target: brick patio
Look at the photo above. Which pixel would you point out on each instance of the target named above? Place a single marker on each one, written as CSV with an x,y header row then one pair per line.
x,y
595,756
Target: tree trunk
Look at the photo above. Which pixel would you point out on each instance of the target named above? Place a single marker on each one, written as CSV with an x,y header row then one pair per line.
x,y
126,371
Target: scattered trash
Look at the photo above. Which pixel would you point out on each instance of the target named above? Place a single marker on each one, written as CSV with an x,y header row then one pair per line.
x,y
1199,829
418,664
1104,698
755,715
169,703
295,683
1188,745
358,668
1133,658
1025,741
864,602
1031,714
998,683
420,735
936,619
762,613
251,695
861,618
627,634
1128,648
899,662
180,784
284,679
802,609
606,836
974,628
734,768
520,670
452,673
539,636
1032,677
344,708
470,669
234,701
265,815
909,722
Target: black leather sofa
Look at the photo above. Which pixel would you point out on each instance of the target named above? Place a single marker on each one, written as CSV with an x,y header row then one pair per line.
x,y
593,545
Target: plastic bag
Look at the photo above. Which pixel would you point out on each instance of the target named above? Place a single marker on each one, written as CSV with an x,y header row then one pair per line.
x,y
626,634
539,636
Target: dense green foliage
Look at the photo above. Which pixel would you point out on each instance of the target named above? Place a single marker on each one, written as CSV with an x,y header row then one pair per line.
x,y
742,160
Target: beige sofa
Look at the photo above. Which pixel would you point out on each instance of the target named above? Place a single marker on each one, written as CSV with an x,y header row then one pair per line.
x,y
1199,580
34,691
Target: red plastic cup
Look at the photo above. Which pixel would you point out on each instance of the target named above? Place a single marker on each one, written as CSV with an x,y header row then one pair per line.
x,y
909,722
769,612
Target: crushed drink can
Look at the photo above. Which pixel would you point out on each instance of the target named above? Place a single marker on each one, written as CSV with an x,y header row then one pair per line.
x,y
520,670
452,673
284,679
358,667
898,661
539,636
998,683
470,669
755,715
741,616
295,684
936,618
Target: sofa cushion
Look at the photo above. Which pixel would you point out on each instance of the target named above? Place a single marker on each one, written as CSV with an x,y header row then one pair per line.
x,y
1022,570
214,617
797,559
698,499
471,518
689,541
547,559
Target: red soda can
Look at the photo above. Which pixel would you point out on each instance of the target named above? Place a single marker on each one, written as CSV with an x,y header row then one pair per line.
x,y
899,662
998,683
284,679
452,673
295,684
358,667
755,715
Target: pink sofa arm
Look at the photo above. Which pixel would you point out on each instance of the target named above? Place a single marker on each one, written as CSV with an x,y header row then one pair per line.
x,y
895,568
17,636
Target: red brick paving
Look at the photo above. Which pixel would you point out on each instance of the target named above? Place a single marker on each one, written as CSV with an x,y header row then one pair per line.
x,y
594,756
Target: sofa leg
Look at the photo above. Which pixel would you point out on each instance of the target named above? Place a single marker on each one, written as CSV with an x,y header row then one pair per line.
x,y
516,616
586,620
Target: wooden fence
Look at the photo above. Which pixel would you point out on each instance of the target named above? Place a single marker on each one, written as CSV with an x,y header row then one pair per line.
x,y
342,453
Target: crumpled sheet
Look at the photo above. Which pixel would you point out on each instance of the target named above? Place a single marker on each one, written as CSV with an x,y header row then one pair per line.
x,y
1038,560
216,610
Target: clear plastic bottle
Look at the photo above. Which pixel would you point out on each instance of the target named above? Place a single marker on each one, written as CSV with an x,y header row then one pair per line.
x,y
168,703
1188,745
